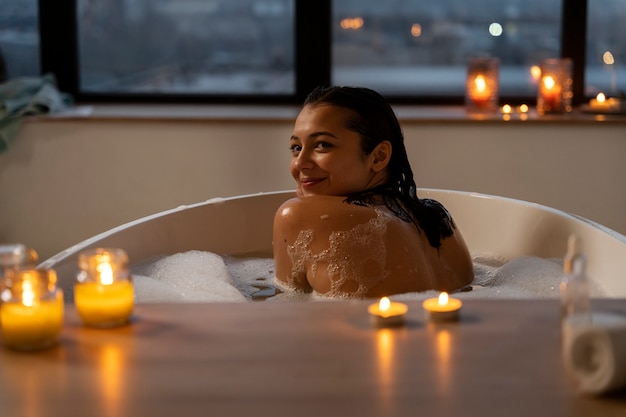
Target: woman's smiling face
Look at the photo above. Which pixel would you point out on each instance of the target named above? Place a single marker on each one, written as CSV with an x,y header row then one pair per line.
x,y
327,158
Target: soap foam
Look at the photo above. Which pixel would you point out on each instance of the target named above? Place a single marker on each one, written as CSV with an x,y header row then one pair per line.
x,y
364,238
205,276
193,276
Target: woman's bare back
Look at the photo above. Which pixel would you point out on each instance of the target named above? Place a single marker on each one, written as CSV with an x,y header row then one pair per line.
x,y
323,244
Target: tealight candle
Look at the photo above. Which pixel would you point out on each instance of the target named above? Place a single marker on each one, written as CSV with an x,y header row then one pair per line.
x,y
386,313
103,292
32,309
602,103
443,308
599,102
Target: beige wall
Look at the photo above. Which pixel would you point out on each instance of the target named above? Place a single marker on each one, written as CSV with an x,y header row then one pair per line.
x,y
66,180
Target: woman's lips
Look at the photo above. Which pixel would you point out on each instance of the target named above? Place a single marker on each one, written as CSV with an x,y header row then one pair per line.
x,y
310,182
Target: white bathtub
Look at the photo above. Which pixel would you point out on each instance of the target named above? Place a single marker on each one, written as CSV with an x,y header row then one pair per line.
x,y
242,225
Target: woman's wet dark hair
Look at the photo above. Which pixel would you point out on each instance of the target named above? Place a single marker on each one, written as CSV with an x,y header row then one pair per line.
x,y
374,120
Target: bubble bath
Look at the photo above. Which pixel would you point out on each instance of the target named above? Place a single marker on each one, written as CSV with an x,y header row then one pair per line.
x,y
364,238
198,276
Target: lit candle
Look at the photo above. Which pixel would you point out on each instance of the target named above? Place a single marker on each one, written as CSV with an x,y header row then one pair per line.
x,y
600,99
32,309
480,94
602,103
386,313
103,292
481,85
443,308
550,92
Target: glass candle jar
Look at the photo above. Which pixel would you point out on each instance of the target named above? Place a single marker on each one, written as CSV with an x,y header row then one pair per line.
x,y
103,292
554,89
16,255
482,85
31,313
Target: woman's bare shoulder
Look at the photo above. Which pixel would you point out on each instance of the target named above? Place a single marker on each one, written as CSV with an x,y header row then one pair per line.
x,y
323,209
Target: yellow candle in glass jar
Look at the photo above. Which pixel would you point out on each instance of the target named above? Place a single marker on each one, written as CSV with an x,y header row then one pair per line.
x,y
104,305
104,294
32,310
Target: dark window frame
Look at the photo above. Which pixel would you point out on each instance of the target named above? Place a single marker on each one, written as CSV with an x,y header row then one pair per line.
x,y
59,55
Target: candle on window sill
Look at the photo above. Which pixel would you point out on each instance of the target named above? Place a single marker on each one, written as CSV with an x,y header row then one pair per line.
x,y
480,94
386,313
443,308
550,92
508,112
481,86
103,292
554,92
606,104
31,313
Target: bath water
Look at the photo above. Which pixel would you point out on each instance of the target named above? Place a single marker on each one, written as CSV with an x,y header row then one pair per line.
x,y
198,276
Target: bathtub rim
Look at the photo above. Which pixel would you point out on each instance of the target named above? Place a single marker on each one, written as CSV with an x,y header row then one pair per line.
x,y
290,193
64,261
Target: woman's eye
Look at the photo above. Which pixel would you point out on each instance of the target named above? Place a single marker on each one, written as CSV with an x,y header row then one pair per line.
x,y
323,145
295,148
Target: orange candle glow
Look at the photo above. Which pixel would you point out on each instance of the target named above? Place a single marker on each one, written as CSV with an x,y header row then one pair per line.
x,y
602,103
550,92
443,308
32,310
481,93
103,292
554,90
386,313
481,85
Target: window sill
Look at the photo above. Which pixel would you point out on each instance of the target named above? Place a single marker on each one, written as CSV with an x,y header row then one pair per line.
x,y
285,113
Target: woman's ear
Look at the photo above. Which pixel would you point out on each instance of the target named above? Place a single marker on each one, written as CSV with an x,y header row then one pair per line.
x,y
381,155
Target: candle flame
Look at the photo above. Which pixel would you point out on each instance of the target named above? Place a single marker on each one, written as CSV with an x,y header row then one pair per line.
x,y
601,98
480,83
28,295
535,72
384,304
548,82
106,273
443,299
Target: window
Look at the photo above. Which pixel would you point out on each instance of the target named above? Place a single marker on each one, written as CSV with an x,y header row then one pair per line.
x,y
270,51
19,38
606,48
422,48
186,46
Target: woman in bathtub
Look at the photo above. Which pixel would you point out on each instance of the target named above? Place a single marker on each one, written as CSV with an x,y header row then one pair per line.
x,y
357,227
